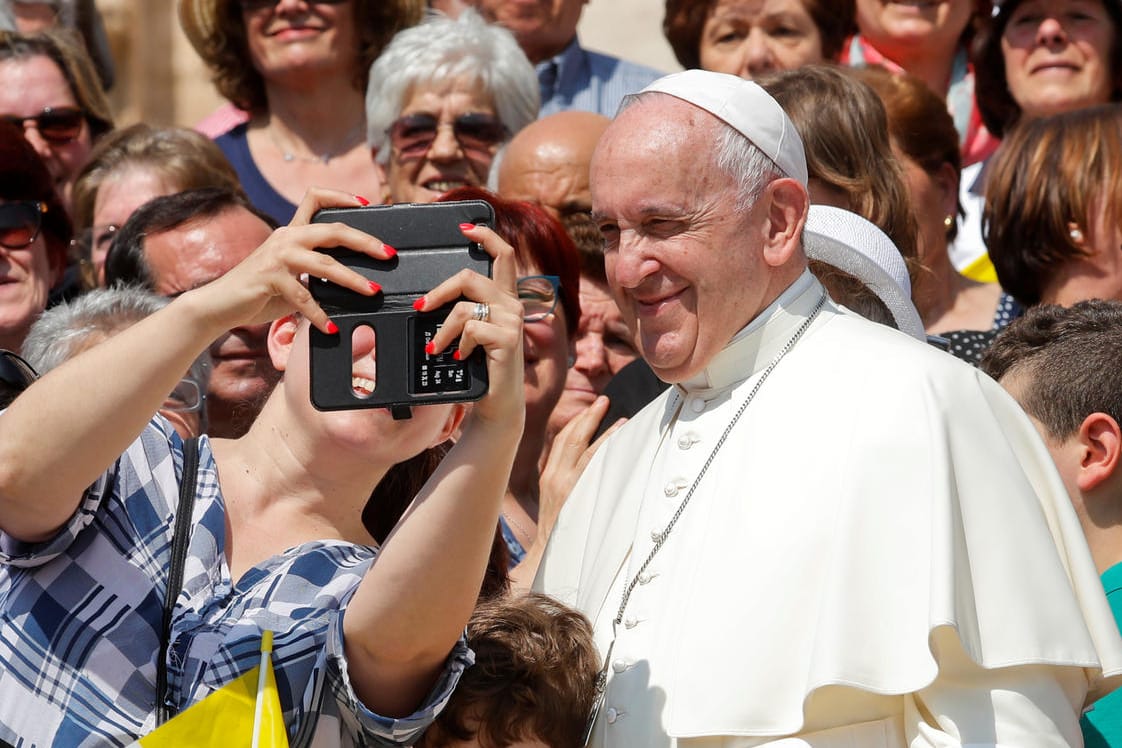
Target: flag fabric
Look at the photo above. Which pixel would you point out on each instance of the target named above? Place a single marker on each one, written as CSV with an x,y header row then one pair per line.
x,y
245,712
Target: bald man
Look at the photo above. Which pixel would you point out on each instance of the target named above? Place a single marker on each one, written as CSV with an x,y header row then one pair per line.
x,y
547,163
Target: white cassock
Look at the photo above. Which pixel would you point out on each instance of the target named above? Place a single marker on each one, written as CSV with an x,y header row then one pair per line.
x,y
881,554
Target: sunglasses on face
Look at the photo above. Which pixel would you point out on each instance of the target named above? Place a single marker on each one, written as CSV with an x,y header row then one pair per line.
x,y
20,222
538,294
256,6
57,125
412,135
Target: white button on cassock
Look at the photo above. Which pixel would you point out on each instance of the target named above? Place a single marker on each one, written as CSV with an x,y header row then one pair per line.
x,y
697,405
619,666
655,535
672,488
685,441
630,622
644,578
611,714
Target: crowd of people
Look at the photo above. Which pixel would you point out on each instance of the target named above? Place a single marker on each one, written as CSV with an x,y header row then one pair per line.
x,y
799,426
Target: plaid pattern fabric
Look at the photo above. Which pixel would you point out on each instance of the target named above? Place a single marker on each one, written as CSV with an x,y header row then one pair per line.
x,y
80,618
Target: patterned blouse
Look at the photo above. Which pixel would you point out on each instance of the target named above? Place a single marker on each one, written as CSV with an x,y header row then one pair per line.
x,y
80,618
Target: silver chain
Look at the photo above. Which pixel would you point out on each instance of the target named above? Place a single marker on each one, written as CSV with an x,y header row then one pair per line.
x,y
602,676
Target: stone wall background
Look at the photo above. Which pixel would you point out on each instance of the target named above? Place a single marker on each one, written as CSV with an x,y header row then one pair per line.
x,y
160,79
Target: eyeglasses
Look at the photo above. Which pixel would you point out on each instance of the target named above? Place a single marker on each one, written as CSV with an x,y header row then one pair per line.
x,y
187,397
256,6
538,294
477,133
16,375
96,240
20,223
57,125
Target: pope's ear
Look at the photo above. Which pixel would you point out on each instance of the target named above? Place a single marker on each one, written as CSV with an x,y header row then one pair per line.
x,y
1101,440
787,202
282,334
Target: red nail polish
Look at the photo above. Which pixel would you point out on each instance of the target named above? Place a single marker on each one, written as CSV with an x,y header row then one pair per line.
x,y
331,327
362,200
466,226
430,347
390,251
456,355
375,287
419,304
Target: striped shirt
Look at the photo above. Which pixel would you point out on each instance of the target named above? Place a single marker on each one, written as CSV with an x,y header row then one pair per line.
x,y
80,618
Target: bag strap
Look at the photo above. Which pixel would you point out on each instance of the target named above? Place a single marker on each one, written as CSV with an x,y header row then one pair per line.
x,y
187,490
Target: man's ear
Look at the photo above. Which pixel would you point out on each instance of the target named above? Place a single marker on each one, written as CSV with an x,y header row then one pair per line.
x,y
787,204
282,334
1101,441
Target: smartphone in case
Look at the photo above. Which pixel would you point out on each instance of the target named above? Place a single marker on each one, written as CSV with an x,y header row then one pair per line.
x,y
430,249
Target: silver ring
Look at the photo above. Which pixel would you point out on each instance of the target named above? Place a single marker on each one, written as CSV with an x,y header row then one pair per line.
x,y
482,311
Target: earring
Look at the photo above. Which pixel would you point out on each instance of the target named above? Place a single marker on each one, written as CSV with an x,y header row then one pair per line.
x,y
948,222
1076,235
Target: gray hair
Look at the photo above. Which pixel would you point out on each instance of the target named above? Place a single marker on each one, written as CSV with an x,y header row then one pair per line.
x,y
68,328
734,154
443,49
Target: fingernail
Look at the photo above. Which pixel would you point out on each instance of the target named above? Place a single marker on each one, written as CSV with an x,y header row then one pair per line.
x,y
466,226
419,304
456,355
430,347
362,200
390,251
375,287
331,328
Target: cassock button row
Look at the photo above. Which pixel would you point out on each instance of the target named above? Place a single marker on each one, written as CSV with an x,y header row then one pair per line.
x,y
611,714
697,405
619,666
672,488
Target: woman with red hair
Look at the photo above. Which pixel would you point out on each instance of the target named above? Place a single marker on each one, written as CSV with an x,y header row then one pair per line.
x,y
548,287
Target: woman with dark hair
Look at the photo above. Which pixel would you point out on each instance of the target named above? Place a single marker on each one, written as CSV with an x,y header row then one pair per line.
x,y
1035,58
1052,219
748,38
549,289
926,144
34,236
51,91
300,71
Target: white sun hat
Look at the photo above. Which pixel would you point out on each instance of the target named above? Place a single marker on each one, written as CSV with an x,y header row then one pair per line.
x,y
852,244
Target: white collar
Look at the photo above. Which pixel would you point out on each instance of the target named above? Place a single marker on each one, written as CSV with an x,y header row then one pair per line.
x,y
758,342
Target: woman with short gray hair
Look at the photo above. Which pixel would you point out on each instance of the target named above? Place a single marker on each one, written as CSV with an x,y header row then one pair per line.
x,y
442,98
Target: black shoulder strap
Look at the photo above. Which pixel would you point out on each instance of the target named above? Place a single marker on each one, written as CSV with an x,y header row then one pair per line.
x,y
187,490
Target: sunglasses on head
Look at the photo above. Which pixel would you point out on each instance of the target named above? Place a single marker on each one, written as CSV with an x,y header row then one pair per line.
x,y
412,135
254,6
20,223
16,375
57,125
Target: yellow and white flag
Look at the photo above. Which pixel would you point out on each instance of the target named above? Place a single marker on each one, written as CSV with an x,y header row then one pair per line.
x,y
246,712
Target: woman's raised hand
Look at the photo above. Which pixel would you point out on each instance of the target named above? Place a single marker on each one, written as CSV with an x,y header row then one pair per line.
x,y
268,285
500,334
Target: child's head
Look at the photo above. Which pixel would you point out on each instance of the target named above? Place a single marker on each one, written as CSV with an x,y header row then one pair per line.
x,y
532,683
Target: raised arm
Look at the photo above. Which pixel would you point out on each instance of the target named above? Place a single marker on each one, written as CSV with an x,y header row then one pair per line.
x,y
67,428
417,597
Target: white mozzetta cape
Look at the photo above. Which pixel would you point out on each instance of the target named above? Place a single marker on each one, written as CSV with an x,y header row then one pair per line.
x,y
881,554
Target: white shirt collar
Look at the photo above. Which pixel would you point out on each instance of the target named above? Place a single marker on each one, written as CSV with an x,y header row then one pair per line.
x,y
757,343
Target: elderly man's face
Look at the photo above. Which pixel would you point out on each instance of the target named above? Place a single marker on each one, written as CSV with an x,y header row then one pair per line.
x,y
543,27
684,265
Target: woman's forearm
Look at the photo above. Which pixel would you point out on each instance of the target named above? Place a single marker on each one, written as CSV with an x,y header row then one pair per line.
x,y
68,427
